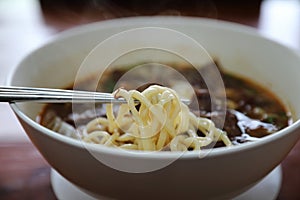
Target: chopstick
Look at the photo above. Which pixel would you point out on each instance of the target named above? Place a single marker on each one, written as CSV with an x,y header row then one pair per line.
x,y
13,94
48,95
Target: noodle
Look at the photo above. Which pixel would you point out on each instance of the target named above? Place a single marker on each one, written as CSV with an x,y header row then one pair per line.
x,y
161,121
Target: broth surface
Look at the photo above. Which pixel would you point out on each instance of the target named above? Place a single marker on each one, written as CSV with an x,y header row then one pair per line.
x,y
252,110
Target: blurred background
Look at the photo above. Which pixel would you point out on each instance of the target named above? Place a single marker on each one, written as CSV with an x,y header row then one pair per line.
x,y
27,24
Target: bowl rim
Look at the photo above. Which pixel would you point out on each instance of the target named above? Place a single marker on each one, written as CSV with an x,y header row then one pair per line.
x,y
124,22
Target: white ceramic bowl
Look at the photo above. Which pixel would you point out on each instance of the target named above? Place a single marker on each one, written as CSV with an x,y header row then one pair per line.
x,y
223,173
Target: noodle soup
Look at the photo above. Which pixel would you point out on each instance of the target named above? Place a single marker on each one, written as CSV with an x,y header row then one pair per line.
x,y
252,112
150,175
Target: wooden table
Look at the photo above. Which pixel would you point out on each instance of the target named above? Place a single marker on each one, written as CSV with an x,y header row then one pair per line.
x,y
24,25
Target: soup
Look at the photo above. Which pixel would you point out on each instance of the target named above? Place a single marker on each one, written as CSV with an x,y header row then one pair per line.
x,y
252,112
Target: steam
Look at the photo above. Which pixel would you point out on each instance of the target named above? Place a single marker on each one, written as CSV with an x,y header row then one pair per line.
x,y
77,12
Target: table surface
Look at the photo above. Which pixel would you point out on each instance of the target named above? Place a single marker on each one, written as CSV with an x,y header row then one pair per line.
x,y
27,24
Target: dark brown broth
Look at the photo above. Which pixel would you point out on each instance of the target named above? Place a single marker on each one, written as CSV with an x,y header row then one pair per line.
x,y
252,111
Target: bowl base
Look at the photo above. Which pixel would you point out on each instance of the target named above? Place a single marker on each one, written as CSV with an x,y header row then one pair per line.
x,y
268,188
